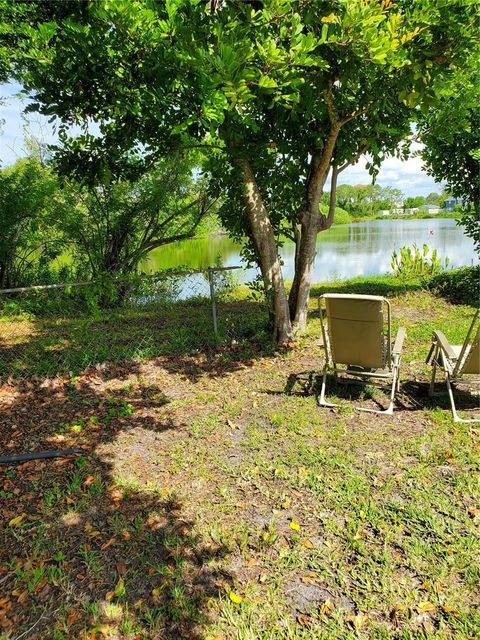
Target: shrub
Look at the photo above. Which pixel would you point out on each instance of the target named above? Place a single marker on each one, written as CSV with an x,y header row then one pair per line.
x,y
341,216
461,286
411,262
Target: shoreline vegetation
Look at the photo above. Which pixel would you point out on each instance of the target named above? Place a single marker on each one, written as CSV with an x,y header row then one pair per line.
x,y
413,216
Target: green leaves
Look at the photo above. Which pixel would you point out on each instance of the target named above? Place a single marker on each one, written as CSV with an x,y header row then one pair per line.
x,y
46,30
266,82
450,135
214,107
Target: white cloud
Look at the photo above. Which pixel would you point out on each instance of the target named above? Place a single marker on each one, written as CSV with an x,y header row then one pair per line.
x,y
406,175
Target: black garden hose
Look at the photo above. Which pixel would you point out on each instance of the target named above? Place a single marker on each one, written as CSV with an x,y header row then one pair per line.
x,y
39,455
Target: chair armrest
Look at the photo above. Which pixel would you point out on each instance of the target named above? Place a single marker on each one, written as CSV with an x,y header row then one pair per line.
x,y
398,344
444,345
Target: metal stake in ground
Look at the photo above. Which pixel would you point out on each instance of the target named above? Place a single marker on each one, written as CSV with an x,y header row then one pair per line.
x,y
212,298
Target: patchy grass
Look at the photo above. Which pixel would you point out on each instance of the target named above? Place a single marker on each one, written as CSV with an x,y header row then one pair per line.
x,y
214,499
67,343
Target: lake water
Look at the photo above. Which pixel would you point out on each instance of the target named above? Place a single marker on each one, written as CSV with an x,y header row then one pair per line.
x,y
344,251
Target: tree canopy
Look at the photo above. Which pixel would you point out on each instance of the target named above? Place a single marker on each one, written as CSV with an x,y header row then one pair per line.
x,y
451,137
282,92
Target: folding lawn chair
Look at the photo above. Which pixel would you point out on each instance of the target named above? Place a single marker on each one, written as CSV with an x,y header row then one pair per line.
x,y
456,361
357,333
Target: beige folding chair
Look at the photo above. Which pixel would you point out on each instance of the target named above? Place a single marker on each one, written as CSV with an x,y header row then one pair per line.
x,y
357,334
456,361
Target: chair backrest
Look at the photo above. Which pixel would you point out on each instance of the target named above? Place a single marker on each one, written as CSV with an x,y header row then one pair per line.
x,y
469,357
356,330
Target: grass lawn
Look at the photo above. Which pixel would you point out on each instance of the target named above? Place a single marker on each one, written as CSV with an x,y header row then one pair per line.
x,y
215,500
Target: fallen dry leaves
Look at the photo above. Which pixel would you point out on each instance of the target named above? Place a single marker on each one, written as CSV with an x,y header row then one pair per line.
x,y
304,620
426,607
327,607
474,513
357,621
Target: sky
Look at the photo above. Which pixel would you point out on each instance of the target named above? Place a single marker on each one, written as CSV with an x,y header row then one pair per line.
x,y
407,176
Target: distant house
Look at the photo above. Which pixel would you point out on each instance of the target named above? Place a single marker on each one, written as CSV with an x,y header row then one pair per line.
x,y
429,208
389,212
410,211
451,202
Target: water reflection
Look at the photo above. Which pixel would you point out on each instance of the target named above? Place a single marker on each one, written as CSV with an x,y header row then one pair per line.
x,y
342,252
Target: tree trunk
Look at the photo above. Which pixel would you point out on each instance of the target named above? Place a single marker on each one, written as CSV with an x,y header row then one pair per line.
x,y
267,250
3,275
305,257
311,222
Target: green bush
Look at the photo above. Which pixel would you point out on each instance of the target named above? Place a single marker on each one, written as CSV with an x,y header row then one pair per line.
x,y
104,293
461,286
341,216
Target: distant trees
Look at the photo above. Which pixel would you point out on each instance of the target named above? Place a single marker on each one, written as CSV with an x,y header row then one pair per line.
x,y
361,200
414,201
437,199
386,198
364,200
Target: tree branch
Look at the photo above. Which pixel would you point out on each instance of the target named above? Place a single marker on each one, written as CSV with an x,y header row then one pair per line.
x,y
335,119
353,160
203,209
355,114
327,221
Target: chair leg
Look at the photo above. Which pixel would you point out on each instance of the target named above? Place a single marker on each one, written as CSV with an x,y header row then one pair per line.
x,y
431,388
322,401
395,382
456,417
389,410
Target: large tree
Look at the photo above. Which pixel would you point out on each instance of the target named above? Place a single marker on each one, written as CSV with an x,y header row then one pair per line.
x,y
110,228
283,91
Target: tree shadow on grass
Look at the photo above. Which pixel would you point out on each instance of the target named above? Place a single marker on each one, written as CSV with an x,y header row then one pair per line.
x,y
85,551
64,346
412,395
